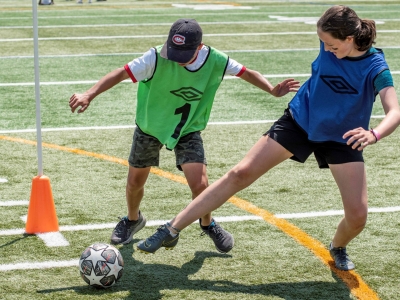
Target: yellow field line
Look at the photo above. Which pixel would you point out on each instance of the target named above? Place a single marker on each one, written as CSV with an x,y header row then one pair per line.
x,y
354,281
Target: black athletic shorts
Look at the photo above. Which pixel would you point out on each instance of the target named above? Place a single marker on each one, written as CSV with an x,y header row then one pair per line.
x,y
292,137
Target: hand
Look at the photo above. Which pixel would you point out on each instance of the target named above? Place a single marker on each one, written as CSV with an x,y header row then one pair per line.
x,y
79,100
284,87
359,138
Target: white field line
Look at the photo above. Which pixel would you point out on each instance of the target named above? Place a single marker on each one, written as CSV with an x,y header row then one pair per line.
x,y
280,19
147,24
124,16
133,126
296,75
164,36
14,203
40,265
51,239
219,219
130,81
141,53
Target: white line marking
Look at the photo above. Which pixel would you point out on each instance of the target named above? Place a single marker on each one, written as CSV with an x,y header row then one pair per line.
x,y
141,53
14,203
53,239
129,81
133,126
310,214
125,16
69,129
12,232
211,6
3,180
40,265
278,19
334,213
164,36
219,219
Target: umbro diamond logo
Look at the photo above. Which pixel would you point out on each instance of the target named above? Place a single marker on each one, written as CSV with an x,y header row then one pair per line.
x,y
339,85
188,94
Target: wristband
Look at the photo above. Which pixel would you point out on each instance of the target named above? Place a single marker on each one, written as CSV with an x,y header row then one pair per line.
x,y
376,134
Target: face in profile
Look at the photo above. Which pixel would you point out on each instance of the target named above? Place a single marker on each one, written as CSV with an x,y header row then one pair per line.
x,y
338,47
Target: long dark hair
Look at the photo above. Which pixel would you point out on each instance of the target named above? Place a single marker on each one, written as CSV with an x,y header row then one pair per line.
x,y
341,21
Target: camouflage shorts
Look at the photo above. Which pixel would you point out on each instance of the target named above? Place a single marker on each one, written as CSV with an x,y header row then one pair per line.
x,y
145,151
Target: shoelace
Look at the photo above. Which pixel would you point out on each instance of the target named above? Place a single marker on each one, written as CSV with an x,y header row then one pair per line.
x,y
159,235
215,230
342,256
121,225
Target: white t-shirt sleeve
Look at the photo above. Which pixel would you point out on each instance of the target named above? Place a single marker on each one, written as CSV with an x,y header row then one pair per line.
x,y
234,68
142,68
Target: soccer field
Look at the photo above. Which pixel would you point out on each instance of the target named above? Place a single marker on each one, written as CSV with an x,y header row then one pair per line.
x,y
282,224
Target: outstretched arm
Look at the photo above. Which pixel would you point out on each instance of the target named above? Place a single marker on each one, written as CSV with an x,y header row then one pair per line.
x,y
281,89
105,83
362,138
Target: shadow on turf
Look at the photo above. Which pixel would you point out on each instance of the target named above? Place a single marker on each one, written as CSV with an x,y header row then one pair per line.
x,y
12,242
147,281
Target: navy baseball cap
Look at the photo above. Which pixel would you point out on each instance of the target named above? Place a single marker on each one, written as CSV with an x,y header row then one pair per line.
x,y
184,37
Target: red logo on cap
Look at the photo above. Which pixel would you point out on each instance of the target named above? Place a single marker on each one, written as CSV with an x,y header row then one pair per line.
x,y
178,39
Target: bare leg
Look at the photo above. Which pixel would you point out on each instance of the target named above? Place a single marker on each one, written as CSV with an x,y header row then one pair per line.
x,y
351,180
263,156
135,190
196,177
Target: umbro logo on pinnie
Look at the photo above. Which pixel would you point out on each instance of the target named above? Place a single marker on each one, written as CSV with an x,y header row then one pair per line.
x,y
178,39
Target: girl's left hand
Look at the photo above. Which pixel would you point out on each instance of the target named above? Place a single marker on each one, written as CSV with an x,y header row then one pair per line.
x,y
359,138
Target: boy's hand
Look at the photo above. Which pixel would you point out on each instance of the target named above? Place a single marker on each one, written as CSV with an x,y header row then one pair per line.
x,y
79,100
284,87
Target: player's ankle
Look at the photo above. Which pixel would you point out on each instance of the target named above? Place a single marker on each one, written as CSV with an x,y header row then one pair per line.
x,y
174,231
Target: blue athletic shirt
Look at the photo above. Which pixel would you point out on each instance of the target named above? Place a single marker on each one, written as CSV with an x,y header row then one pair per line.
x,y
340,94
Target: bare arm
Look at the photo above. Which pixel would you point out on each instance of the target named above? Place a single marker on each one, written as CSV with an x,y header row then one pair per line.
x,y
390,105
390,122
281,89
105,83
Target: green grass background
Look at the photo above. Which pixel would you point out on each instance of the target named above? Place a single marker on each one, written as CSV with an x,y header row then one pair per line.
x,y
265,263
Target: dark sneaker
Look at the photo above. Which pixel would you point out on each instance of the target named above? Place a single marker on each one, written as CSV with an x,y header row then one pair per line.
x,y
162,238
222,239
342,260
125,229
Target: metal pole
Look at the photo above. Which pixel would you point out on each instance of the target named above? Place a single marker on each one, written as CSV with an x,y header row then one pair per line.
x,y
37,87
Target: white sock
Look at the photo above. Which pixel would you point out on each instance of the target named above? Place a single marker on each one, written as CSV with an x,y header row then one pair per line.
x,y
172,234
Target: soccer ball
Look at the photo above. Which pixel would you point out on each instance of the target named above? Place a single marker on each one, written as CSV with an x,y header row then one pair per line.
x,y
101,265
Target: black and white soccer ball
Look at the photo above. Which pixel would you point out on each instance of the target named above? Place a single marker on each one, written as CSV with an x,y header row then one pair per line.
x,y
101,265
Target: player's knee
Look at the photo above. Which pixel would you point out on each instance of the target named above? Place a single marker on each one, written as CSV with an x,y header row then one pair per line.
x,y
239,177
198,187
134,184
357,220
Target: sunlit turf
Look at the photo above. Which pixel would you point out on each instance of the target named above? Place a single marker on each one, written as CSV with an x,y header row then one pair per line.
x,y
265,263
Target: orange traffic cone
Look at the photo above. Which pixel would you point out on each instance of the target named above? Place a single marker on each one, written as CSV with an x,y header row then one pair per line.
x,y
42,215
